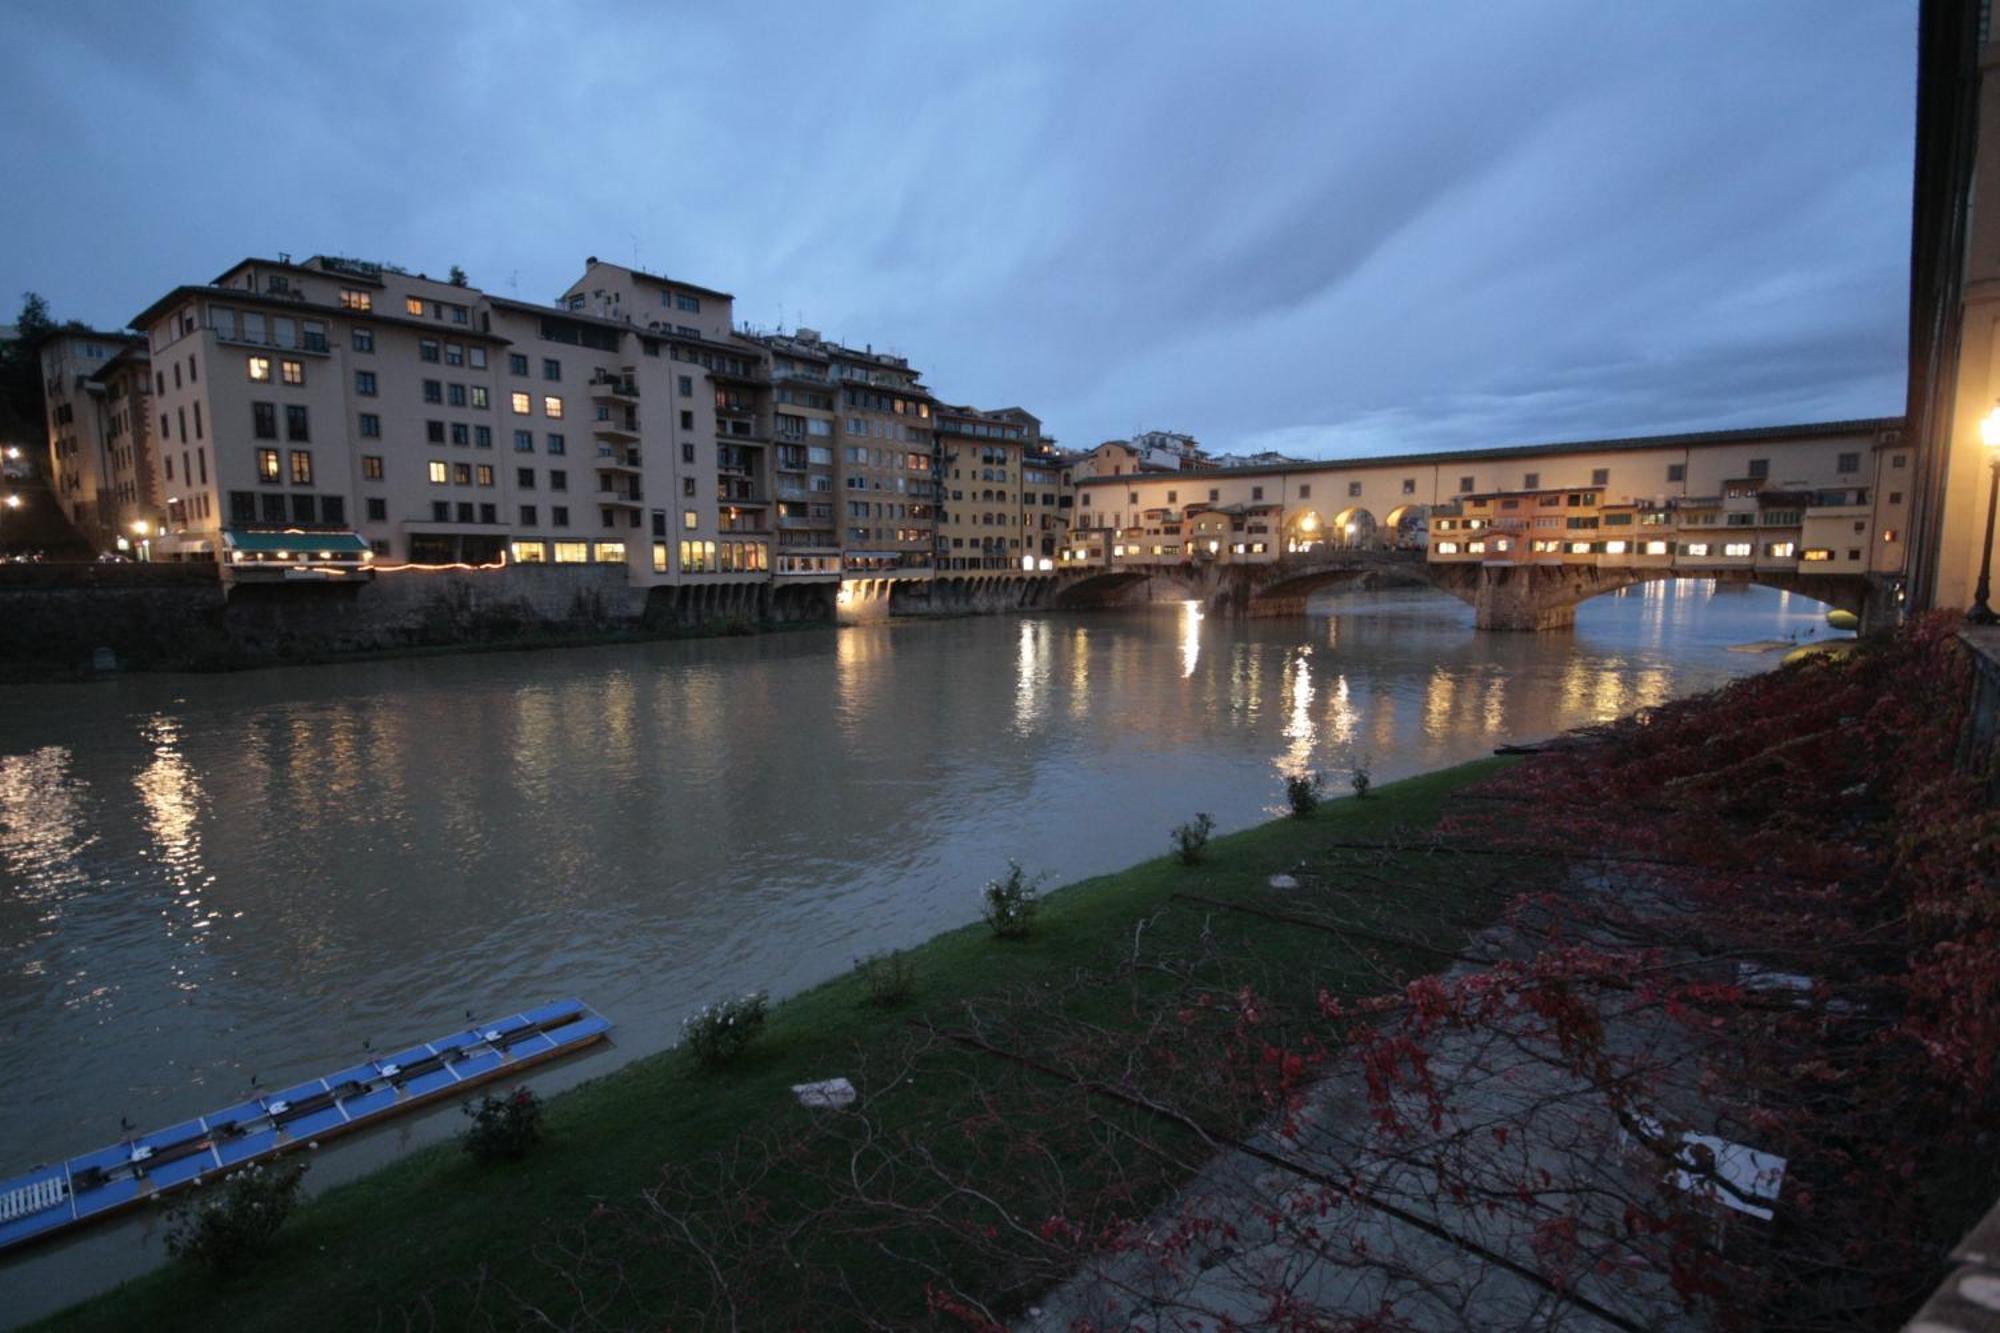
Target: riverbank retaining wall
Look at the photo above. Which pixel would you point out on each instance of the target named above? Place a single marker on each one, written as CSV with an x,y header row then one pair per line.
x,y
55,618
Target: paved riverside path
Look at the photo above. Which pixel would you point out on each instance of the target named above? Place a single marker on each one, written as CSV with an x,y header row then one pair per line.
x,y
1271,1241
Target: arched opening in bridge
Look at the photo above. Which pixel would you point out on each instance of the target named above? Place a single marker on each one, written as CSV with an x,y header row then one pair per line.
x,y
1408,526
1355,526
1741,614
1306,531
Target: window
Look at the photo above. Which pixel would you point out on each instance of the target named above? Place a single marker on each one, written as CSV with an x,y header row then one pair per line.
x,y
465,511
524,442
454,354
302,509
1305,493
260,369
559,515
1848,463
440,472
461,435
371,467
434,432
1813,555
362,340
455,395
690,519
517,364
682,301
263,421
1736,548
1677,472
413,306
482,437
461,474
524,477
489,512
557,444
552,407
551,368
427,349
479,398
302,467
687,421
687,486
558,479
687,386
1760,468
1531,480
478,357
522,403
378,509
528,516
364,383
295,422
440,511
1781,550
1409,485
1695,548
293,372
572,553
1256,493
434,391
267,465
1600,476
351,299
485,474
370,426
687,453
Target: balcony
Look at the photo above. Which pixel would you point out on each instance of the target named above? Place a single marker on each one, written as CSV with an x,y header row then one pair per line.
x,y
614,388
617,460
616,428
619,499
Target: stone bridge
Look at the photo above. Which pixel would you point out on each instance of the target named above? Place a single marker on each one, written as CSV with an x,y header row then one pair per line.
x,y
1503,597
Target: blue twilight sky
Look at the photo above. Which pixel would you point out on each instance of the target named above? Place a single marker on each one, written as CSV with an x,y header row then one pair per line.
x,y
1322,227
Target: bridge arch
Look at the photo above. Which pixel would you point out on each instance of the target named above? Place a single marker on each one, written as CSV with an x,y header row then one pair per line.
x,y
1355,526
1542,597
1408,524
1306,531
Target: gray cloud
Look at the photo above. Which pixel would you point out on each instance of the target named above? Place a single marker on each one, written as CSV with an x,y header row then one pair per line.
x,y
1319,227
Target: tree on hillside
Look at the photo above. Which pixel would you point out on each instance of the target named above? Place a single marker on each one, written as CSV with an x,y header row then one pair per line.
x,y
20,370
457,276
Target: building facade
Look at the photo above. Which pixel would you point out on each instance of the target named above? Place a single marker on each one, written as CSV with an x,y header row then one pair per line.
x,y
101,463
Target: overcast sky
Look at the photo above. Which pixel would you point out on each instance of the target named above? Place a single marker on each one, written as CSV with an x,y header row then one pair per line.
x,y
1325,228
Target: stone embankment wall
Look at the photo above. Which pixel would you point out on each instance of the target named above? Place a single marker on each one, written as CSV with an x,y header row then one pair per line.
x,y
53,618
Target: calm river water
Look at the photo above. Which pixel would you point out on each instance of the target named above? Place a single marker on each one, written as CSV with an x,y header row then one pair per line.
x,y
206,877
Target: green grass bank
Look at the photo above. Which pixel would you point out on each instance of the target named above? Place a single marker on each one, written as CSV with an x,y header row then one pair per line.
x,y
435,1240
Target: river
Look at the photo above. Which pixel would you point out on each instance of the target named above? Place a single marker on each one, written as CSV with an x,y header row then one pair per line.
x,y
204,878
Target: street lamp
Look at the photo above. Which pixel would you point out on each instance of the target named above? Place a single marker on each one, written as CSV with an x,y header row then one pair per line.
x,y
13,502
1989,434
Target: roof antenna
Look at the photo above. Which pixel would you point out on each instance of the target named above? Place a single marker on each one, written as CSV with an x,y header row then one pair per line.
x,y
635,249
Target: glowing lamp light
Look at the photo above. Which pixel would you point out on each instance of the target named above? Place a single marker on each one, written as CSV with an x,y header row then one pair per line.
x,y
1350,529
141,527
13,453
1309,522
1989,428
13,502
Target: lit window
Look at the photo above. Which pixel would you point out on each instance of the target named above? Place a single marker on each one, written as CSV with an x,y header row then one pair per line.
x,y
690,519
1656,548
1736,548
461,474
1781,550
530,553
552,406
1815,554
572,553
1697,548
350,299
440,474
659,557
1579,548
485,471
1888,534
611,553
1447,548
260,369
413,306
1615,548
522,403
371,467
267,465
293,372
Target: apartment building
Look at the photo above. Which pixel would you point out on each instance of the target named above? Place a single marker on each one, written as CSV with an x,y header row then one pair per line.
x,y
95,391
887,470
981,520
806,467
436,423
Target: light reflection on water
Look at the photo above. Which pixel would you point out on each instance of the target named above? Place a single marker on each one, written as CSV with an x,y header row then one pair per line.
x,y
206,877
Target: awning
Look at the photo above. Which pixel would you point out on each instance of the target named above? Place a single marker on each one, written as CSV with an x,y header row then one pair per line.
x,y
293,541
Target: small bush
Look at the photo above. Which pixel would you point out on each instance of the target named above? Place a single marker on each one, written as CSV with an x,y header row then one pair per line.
x,y
891,978
1360,780
1191,839
221,1228
1010,903
503,1128
1302,792
717,1033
